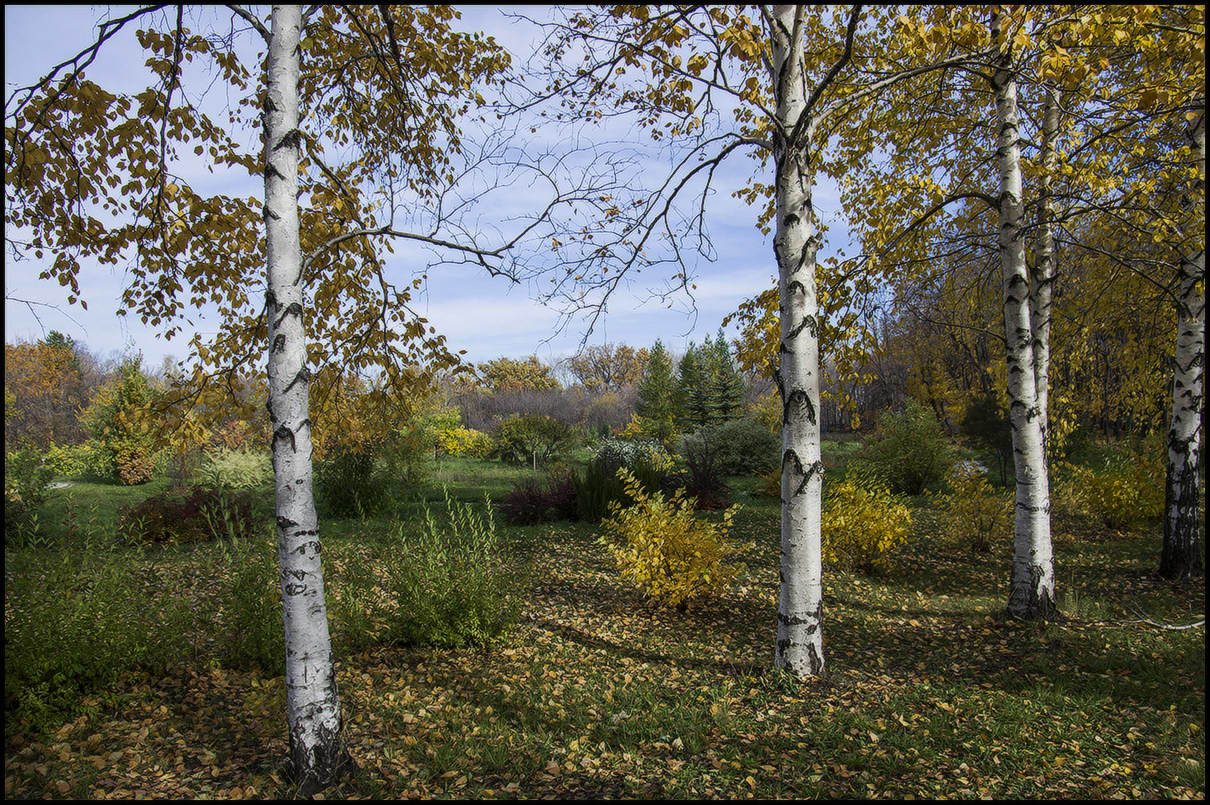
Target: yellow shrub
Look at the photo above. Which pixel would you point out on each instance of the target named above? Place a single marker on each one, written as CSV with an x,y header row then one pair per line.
x,y
660,546
1129,490
863,523
971,511
460,441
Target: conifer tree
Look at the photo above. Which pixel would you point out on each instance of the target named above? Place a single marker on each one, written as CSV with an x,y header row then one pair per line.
x,y
694,391
657,394
726,385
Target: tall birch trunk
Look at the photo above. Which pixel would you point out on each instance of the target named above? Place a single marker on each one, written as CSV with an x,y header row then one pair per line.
x,y
800,605
1183,549
1042,284
312,702
1032,590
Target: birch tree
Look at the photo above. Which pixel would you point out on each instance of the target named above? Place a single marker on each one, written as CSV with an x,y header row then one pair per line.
x,y
1183,553
784,75
1032,588
93,176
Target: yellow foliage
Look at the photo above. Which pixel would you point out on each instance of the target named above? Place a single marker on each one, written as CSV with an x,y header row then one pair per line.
x,y
460,441
971,511
634,429
862,524
1129,490
662,547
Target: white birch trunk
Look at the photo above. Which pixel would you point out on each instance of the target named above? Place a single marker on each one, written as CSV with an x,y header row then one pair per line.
x,y
1042,284
1183,542
1032,590
312,702
800,606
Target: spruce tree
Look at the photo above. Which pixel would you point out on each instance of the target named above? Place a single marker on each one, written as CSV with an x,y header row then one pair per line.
x,y
657,394
694,392
726,385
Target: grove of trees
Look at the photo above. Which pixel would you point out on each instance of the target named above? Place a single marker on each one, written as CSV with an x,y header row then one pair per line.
x,y
1023,189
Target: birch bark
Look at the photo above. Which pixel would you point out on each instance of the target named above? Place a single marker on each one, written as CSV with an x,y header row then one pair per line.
x,y
1031,593
1044,271
1182,555
800,606
312,701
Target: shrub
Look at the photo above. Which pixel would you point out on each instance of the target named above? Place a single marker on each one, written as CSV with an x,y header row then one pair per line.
x,y
598,486
533,501
251,605
523,439
73,625
704,479
77,459
616,453
1129,490
115,421
460,441
972,512
659,545
26,484
349,483
863,524
235,469
741,446
769,485
195,514
907,451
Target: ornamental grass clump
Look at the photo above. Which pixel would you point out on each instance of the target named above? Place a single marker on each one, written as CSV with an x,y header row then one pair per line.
x,y
863,525
671,555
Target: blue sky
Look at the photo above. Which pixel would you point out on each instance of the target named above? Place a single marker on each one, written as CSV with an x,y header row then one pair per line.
x,y
485,317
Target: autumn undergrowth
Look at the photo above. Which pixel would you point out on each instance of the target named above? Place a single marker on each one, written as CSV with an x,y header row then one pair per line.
x,y
598,692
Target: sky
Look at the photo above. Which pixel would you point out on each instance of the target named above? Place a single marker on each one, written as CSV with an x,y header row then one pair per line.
x,y
486,317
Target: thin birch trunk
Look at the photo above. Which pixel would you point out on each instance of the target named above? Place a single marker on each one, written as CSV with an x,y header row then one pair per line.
x,y
1044,272
1032,590
800,606
1183,542
312,701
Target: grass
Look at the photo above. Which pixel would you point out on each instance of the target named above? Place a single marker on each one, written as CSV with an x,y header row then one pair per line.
x,y
597,693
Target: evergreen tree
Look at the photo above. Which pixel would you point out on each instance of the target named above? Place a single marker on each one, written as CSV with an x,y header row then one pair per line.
x,y
726,385
657,394
694,392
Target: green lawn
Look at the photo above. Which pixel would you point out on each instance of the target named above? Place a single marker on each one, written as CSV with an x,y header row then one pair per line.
x,y
597,693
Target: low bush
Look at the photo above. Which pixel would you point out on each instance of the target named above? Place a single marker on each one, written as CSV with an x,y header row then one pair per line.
x,y
350,484
251,606
614,454
86,458
533,500
460,441
73,625
1127,491
235,469
134,461
662,547
863,524
741,446
597,487
529,439
972,512
704,479
907,451
26,484
194,514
